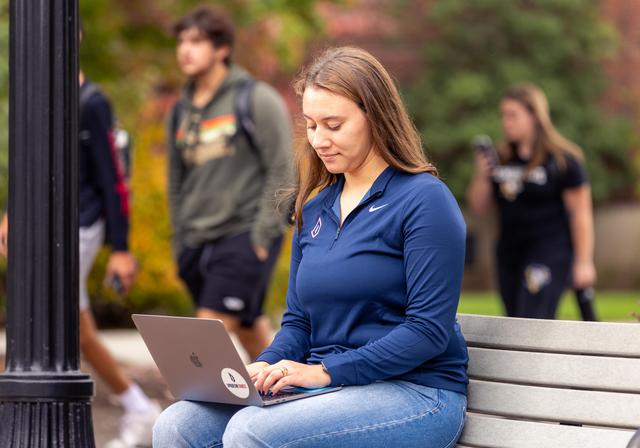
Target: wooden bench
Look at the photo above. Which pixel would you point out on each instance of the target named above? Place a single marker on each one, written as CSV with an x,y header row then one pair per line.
x,y
561,384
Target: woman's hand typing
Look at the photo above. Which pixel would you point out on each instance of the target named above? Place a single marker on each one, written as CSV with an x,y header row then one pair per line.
x,y
256,367
287,373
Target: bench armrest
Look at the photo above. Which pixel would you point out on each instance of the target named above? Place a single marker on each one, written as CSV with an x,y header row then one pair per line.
x,y
635,440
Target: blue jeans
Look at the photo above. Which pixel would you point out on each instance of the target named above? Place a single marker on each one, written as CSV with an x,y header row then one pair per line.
x,y
383,414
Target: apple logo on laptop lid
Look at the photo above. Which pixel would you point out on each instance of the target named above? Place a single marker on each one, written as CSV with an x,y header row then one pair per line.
x,y
195,360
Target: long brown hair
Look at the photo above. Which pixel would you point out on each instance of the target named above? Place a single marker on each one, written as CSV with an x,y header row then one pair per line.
x,y
355,74
547,141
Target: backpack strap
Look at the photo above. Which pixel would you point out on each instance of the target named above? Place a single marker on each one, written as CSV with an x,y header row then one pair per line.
x,y
246,126
176,116
86,92
244,115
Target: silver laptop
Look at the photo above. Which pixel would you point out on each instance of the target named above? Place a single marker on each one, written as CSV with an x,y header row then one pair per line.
x,y
199,362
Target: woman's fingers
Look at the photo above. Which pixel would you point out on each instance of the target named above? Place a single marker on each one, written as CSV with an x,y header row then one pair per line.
x,y
255,368
289,373
259,379
483,165
270,375
275,375
282,382
262,379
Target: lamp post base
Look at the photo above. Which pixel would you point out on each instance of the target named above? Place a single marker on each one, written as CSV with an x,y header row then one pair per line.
x,y
42,411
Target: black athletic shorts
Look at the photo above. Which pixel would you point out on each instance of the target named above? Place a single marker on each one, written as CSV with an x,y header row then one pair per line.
x,y
227,276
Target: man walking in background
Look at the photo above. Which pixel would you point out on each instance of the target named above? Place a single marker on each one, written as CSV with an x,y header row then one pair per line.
x,y
229,149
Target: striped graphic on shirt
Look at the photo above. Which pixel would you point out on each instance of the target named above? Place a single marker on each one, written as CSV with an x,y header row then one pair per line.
x,y
211,129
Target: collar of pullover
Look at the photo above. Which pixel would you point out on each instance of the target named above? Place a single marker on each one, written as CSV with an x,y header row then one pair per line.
x,y
379,185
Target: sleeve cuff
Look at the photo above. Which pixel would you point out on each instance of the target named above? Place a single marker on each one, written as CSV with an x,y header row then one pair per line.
x,y
341,369
119,245
269,357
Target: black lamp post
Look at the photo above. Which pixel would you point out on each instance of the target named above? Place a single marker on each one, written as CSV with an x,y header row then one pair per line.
x,y
45,401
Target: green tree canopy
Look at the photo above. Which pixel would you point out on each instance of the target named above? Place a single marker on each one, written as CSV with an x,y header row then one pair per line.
x,y
475,50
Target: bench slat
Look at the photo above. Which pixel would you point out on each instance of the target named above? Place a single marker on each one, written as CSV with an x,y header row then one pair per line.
x,y
611,409
588,372
597,338
502,433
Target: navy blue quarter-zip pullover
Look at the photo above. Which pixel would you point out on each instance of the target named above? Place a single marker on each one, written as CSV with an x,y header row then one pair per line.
x,y
376,298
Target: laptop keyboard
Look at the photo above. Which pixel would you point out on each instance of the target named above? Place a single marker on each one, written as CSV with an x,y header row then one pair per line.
x,y
281,394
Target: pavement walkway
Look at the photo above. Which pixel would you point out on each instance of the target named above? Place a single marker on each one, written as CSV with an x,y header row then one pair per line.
x,y
126,346
131,353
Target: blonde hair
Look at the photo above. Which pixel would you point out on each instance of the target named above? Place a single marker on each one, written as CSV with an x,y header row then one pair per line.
x,y
547,141
355,74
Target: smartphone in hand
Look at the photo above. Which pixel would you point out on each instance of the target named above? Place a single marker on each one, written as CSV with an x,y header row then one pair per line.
x,y
116,285
483,144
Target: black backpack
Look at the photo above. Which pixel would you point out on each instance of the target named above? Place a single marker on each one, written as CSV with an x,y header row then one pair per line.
x,y
121,138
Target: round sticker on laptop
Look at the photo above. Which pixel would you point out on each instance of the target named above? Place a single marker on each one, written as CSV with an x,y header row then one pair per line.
x,y
235,383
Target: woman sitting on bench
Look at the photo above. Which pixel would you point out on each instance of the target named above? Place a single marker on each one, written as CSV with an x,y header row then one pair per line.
x,y
376,269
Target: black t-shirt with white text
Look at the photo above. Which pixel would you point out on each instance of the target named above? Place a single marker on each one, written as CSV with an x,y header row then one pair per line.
x,y
530,205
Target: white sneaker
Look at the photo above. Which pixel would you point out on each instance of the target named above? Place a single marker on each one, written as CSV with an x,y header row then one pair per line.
x,y
136,429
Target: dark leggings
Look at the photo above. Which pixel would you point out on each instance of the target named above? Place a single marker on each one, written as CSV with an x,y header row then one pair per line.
x,y
531,281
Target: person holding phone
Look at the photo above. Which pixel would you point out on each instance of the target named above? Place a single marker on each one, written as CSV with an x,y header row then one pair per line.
x,y
538,180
